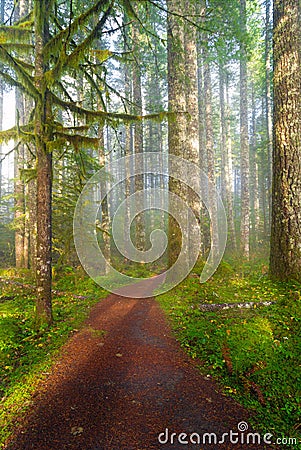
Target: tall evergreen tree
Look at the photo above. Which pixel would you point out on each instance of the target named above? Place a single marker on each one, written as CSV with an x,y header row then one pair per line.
x,y
192,150
244,138
177,107
1,99
60,47
285,259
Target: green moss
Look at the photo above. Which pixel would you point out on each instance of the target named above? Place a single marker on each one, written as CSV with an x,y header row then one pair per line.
x,y
262,344
26,355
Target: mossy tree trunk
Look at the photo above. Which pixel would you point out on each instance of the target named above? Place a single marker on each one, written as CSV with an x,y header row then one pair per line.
x,y
43,135
285,259
177,122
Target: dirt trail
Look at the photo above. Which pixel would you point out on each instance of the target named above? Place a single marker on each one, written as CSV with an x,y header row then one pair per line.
x,y
120,382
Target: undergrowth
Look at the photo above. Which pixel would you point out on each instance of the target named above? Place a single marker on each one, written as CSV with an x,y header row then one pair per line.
x,y
254,352
27,354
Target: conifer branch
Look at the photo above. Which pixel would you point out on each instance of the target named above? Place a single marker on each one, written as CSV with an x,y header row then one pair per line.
x,y
25,78
72,60
14,83
14,33
55,44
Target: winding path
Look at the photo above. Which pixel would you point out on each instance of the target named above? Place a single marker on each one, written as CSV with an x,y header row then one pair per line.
x,y
120,382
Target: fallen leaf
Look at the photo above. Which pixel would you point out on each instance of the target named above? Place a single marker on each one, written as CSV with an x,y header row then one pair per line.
x,y
76,430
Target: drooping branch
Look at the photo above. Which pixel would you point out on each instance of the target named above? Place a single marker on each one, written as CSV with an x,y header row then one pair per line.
x,y
14,83
21,73
17,46
14,33
14,132
55,44
76,139
73,58
92,116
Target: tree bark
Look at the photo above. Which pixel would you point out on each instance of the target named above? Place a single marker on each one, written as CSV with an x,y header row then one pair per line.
x,y
285,259
2,4
19,192
205,232
138,135
226,157
177,122
244,140
43,120
254,192
105,218
268,107
210,152
192,149
32,222
21,232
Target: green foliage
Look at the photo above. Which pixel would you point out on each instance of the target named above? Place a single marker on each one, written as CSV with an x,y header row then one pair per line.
x,y
76,168
27,354
254,352
14,33
6,245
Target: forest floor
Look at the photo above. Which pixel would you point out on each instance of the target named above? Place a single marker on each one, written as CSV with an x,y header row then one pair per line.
x,y
120,382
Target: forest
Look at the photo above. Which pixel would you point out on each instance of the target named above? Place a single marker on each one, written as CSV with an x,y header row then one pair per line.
x,y
150,224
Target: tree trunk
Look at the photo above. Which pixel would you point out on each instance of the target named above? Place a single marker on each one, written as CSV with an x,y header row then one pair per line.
x,y
32,222
43,119
244,140
138,135
21,235
285,259
192,149
128,145
226,158
268,105
254,194
177,122
2,2
205,232
19,191
210,152
105,219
